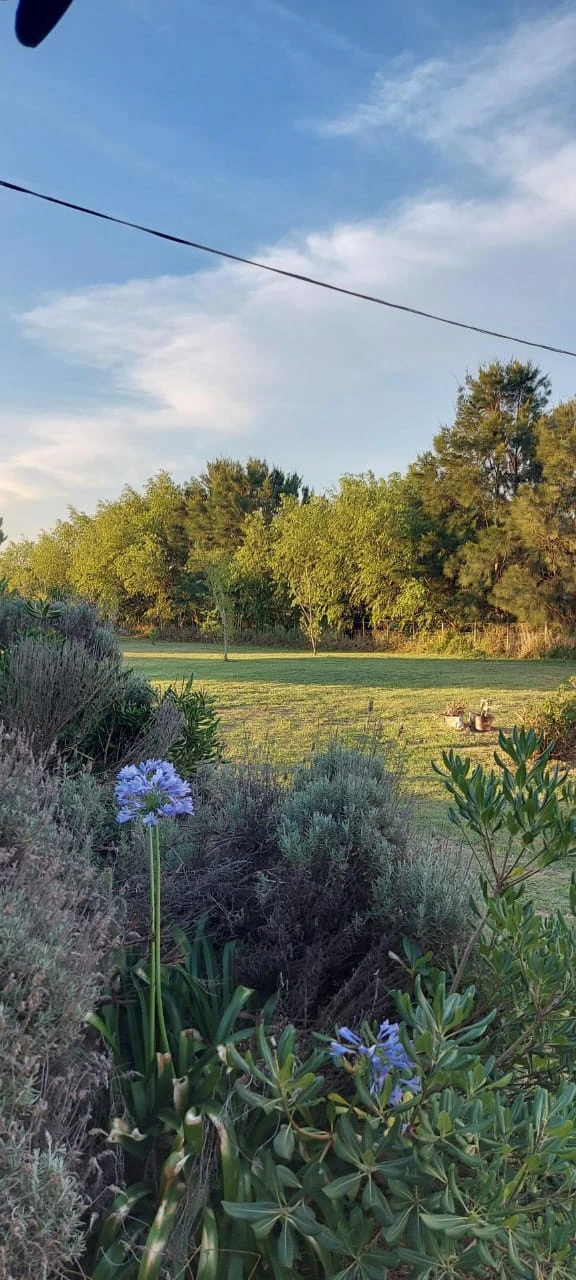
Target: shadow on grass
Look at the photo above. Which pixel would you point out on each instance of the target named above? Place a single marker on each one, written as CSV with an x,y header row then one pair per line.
x,y
352,671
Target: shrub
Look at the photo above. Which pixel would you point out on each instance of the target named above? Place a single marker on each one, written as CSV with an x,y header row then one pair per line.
x,y
55,693
78,622
553,718
40,1211
134,724
342,831
434,1164
63,684
530,961
318,879
54,927
199,740
441,1148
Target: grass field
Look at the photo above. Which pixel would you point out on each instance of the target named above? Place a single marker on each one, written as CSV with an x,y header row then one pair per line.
x,y
284,705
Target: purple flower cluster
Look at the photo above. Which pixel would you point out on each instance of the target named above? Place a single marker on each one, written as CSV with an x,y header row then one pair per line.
x,y
387,1054
151,790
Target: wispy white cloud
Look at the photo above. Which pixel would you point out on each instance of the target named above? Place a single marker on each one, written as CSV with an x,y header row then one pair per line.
x,y
448,100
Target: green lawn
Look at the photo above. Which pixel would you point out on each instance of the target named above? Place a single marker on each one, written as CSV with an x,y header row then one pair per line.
x,y
286,704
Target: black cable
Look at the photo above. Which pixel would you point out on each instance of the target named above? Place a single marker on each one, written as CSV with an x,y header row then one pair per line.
x,y
280,271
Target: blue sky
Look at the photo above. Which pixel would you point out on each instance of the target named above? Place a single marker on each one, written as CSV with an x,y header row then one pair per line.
x,y
425,151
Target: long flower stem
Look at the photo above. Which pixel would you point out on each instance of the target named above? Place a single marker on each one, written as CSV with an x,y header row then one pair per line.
x,y
157,939
151,1046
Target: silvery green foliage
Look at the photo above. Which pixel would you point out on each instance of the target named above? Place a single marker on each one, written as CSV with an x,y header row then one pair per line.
x,y
63,685
317,877
53,930
353,877
55,692
78,622
342,802
40,1211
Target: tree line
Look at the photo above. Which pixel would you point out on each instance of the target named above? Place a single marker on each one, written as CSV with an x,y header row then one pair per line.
x,y
482,527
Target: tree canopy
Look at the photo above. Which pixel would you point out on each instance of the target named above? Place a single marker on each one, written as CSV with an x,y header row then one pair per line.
x,y
482,526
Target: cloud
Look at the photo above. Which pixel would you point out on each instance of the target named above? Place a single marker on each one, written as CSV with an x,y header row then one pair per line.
x,y
452,100
233,360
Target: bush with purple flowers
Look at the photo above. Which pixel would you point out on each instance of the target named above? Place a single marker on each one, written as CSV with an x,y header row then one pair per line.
x,y
383,1058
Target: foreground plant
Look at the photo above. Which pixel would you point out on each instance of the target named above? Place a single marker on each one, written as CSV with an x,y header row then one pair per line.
x,y
462,1175
149,792
442,1147
517,820
424,1154
163,1026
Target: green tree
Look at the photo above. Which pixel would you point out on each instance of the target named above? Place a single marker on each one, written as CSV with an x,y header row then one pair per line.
x,y
218,501
261,601
537,582
218,568
372,551
54,552
491,448
16,567
299,557
130,557
467,481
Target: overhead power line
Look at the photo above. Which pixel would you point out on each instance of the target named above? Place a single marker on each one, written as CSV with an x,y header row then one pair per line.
x,y
281,271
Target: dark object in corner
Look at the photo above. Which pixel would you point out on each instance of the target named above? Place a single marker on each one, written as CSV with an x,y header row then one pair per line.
x,y
35,19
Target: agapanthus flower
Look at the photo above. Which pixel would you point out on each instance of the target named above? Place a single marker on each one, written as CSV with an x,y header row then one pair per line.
x,y
151,790
386,1055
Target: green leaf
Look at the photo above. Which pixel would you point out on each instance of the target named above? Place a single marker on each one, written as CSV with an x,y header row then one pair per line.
x,y
263,1228
119,1212
194,1131
207,1263
286,1246
447,1223
284,1142
115,1264
240,998
255,1099
346,1186
228,1156
255,1211
287,1178
444,1124
395,1231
